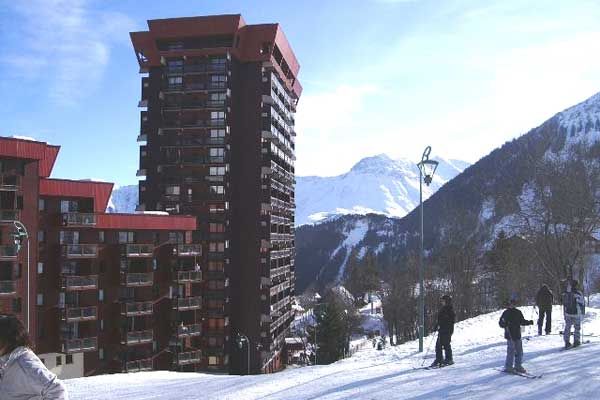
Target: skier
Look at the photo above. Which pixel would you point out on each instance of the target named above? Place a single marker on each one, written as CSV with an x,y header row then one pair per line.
x,y
511,320
445,329
544,300
574,310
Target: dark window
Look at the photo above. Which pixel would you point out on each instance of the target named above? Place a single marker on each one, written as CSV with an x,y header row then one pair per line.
x,y
16,305
58,360
69,359
19,202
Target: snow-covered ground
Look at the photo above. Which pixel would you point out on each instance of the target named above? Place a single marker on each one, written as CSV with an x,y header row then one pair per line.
x,y
479,350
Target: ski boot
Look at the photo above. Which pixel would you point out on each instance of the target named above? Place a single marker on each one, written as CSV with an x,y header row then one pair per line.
x,y
568,345
448,362
520,370
436,364
576,343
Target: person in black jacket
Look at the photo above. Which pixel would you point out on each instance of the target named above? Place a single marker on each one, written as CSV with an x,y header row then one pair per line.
x,y
511,320
544,301
445,329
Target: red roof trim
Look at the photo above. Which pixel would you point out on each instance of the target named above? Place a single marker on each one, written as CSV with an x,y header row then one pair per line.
x,y
31,150
99,191
146,221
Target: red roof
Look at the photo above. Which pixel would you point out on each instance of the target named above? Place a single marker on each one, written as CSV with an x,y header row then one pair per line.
x,y
99,191
31,150
146,221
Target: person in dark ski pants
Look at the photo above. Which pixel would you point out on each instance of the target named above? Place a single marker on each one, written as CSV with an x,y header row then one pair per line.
x,y
445,329
544,300
511,320
574,310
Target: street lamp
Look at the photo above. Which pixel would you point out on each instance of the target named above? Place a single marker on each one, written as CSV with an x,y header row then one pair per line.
x,y
427,168
18,236
241,339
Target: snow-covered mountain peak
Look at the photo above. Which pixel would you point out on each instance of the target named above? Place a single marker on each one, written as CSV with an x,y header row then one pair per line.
x,y
375,184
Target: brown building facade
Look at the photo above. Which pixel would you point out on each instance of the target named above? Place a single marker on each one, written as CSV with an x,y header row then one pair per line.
x,y
105,292
218,142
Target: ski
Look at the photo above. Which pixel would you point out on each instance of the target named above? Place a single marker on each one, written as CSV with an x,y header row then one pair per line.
x,y
526,375
574,347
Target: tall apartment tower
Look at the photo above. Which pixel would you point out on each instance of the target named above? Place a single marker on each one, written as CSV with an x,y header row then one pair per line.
x,y
219,144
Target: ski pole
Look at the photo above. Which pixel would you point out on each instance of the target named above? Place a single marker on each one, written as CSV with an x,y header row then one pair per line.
x,y
429,347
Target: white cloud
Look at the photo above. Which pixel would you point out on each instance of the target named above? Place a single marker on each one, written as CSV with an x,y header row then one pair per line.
x,y
65,42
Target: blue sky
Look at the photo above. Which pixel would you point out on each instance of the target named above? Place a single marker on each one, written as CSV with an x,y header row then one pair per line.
x,y
379,75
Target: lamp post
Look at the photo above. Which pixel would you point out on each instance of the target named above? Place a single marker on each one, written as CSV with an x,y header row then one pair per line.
x,y
20,234
241,338
427,168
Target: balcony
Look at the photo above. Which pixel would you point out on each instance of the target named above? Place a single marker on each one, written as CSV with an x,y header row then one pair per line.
x,y
137,309
8,253
188,276
190,357
138,337
80,314
139,365
80,250
10,182
79,219
187,303
189,250
9,216
80,345
137,279
139,250
74,283
184,331
8,288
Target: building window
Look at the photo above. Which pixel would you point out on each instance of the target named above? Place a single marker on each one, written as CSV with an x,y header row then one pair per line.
x,y
101,237
68,206
219,96
16,305
69,359
214,227
217,208
69,237
58,360
172,190
217,189
217,133
101,353
175,237
216,266
217,152
126,237
217,171
40,268
100,294
41,236
41,204
40,299
175,80
217,115
216,247
212,360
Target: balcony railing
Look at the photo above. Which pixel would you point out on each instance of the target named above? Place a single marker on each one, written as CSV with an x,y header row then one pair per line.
x,y
138,279
137,309
81,250
139,337
139,250
9,216
188,276
8,288
79,345
189,250
189,357
81,314
79,219
188,303
81,282
189,330
8,252
139,365
10,182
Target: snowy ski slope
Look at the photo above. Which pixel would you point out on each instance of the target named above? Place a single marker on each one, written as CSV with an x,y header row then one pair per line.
x,y
479,349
